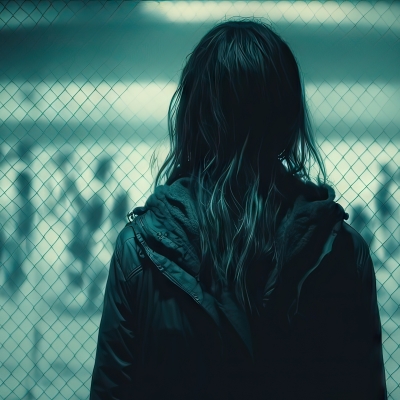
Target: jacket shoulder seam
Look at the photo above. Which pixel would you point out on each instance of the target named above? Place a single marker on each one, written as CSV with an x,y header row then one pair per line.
x,y
361,248
128,236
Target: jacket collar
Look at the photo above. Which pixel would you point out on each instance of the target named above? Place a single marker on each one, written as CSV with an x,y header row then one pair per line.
x,y
171,224
172,227
169,227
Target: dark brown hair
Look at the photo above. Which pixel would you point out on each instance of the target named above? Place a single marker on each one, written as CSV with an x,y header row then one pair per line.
x,y
237,116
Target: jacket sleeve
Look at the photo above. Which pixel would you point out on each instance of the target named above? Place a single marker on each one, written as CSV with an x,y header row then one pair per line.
x,y
370,333
362,367
338,331
116,355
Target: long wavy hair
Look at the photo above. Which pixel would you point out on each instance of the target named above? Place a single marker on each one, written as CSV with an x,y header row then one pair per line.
x,y
237,118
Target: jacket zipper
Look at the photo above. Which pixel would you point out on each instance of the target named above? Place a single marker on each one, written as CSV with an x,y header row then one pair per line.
x,y
161,269
147,250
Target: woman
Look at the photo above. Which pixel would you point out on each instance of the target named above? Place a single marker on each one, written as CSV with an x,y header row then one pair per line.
x,y
239,279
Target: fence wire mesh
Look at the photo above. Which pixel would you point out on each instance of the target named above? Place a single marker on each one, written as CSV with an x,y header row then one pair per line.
x,y
84,94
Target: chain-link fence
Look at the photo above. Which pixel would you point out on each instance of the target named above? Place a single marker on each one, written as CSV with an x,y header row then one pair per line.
x,y
84,94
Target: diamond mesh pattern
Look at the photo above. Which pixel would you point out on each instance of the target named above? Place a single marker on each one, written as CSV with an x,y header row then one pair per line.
x,y
84,94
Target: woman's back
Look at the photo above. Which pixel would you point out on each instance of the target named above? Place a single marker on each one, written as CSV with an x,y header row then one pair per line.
x,y
163,333
239,277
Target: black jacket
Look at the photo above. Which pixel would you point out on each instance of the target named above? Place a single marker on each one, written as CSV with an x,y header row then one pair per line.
x,y
163,335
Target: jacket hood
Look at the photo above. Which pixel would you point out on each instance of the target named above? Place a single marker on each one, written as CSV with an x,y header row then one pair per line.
x,y
172,228
171,224
307,225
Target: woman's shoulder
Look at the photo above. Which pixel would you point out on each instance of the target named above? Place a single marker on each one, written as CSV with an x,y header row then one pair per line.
x,y
128,252
359,247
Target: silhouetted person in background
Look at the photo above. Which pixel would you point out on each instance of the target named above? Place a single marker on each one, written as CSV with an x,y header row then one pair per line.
x,y
239,278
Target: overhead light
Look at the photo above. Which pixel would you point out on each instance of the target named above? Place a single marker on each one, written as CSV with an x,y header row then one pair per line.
x,y
364,14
